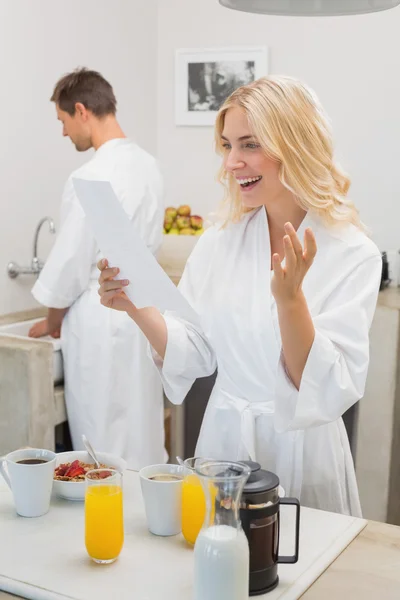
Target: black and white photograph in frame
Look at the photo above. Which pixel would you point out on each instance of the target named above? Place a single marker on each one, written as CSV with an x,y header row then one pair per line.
x,y
204,78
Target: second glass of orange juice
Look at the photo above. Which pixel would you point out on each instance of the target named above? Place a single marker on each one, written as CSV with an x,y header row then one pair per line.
x,y
193,502
104,521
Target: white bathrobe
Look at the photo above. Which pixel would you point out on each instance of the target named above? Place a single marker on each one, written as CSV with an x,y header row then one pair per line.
x,y
255,411
112,390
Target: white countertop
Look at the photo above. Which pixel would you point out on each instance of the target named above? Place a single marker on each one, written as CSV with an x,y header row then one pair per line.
x,y
55,566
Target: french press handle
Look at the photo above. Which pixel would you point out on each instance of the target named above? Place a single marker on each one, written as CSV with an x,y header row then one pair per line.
x,y
289,560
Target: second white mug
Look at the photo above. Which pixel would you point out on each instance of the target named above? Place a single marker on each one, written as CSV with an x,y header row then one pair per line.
x,y
163,499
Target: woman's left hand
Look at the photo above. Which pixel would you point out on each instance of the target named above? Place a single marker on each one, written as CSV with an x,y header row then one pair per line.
x,y
286,284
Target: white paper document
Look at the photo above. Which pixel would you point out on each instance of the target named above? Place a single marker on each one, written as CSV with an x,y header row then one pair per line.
x,y
120,242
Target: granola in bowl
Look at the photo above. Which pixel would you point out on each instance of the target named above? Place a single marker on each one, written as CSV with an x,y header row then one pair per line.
x,y
76,471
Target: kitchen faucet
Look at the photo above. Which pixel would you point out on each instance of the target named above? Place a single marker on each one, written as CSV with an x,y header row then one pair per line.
x,y
13,269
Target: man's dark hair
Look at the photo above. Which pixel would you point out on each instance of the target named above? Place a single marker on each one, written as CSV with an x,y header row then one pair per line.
x,y
87,87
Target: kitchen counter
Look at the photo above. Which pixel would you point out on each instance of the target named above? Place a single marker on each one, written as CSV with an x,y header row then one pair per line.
x,y
390,298
377,438
369,568
25,315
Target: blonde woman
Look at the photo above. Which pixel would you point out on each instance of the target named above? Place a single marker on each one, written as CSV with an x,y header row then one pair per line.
x,y
286,326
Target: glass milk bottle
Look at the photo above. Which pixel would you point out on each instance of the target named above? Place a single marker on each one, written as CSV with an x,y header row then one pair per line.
x,y
221,553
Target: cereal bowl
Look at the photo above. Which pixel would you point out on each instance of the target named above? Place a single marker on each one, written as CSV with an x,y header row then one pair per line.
x,y
75,490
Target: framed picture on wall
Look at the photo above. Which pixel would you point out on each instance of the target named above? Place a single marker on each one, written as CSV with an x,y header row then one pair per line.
x,y
204,78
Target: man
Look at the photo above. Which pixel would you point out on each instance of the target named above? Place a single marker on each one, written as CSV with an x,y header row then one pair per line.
x,y
112,390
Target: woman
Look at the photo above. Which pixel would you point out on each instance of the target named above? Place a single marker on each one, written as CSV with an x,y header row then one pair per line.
x,y
286,326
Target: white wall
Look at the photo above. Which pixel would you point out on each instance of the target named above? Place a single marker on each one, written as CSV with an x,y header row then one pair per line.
x,y
39,41
353,63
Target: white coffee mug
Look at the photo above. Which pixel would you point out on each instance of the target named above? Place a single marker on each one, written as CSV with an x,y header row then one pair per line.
x,y
162,499
31,484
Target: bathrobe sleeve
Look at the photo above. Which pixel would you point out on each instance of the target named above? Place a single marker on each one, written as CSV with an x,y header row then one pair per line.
x,y
66,273
336,369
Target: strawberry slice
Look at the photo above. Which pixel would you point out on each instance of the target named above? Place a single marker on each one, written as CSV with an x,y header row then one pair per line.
x,y
75,472
62,469
74,465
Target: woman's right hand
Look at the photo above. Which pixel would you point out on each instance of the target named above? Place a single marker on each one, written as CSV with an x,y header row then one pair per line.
x,y
110,291
148,319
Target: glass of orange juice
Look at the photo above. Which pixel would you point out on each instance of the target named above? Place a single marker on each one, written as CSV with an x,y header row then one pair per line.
x,y
193,502
104,521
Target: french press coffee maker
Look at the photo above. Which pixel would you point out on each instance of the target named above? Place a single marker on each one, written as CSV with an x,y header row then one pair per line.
x,y
259,514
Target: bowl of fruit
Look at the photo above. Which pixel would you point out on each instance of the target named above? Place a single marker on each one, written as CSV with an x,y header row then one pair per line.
x,y
180,221
182,231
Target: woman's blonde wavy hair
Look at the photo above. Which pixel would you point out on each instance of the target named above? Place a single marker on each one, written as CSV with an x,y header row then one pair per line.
x,y
291,127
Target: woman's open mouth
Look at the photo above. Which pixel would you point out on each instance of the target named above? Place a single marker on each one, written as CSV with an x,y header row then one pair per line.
x,y
248,183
